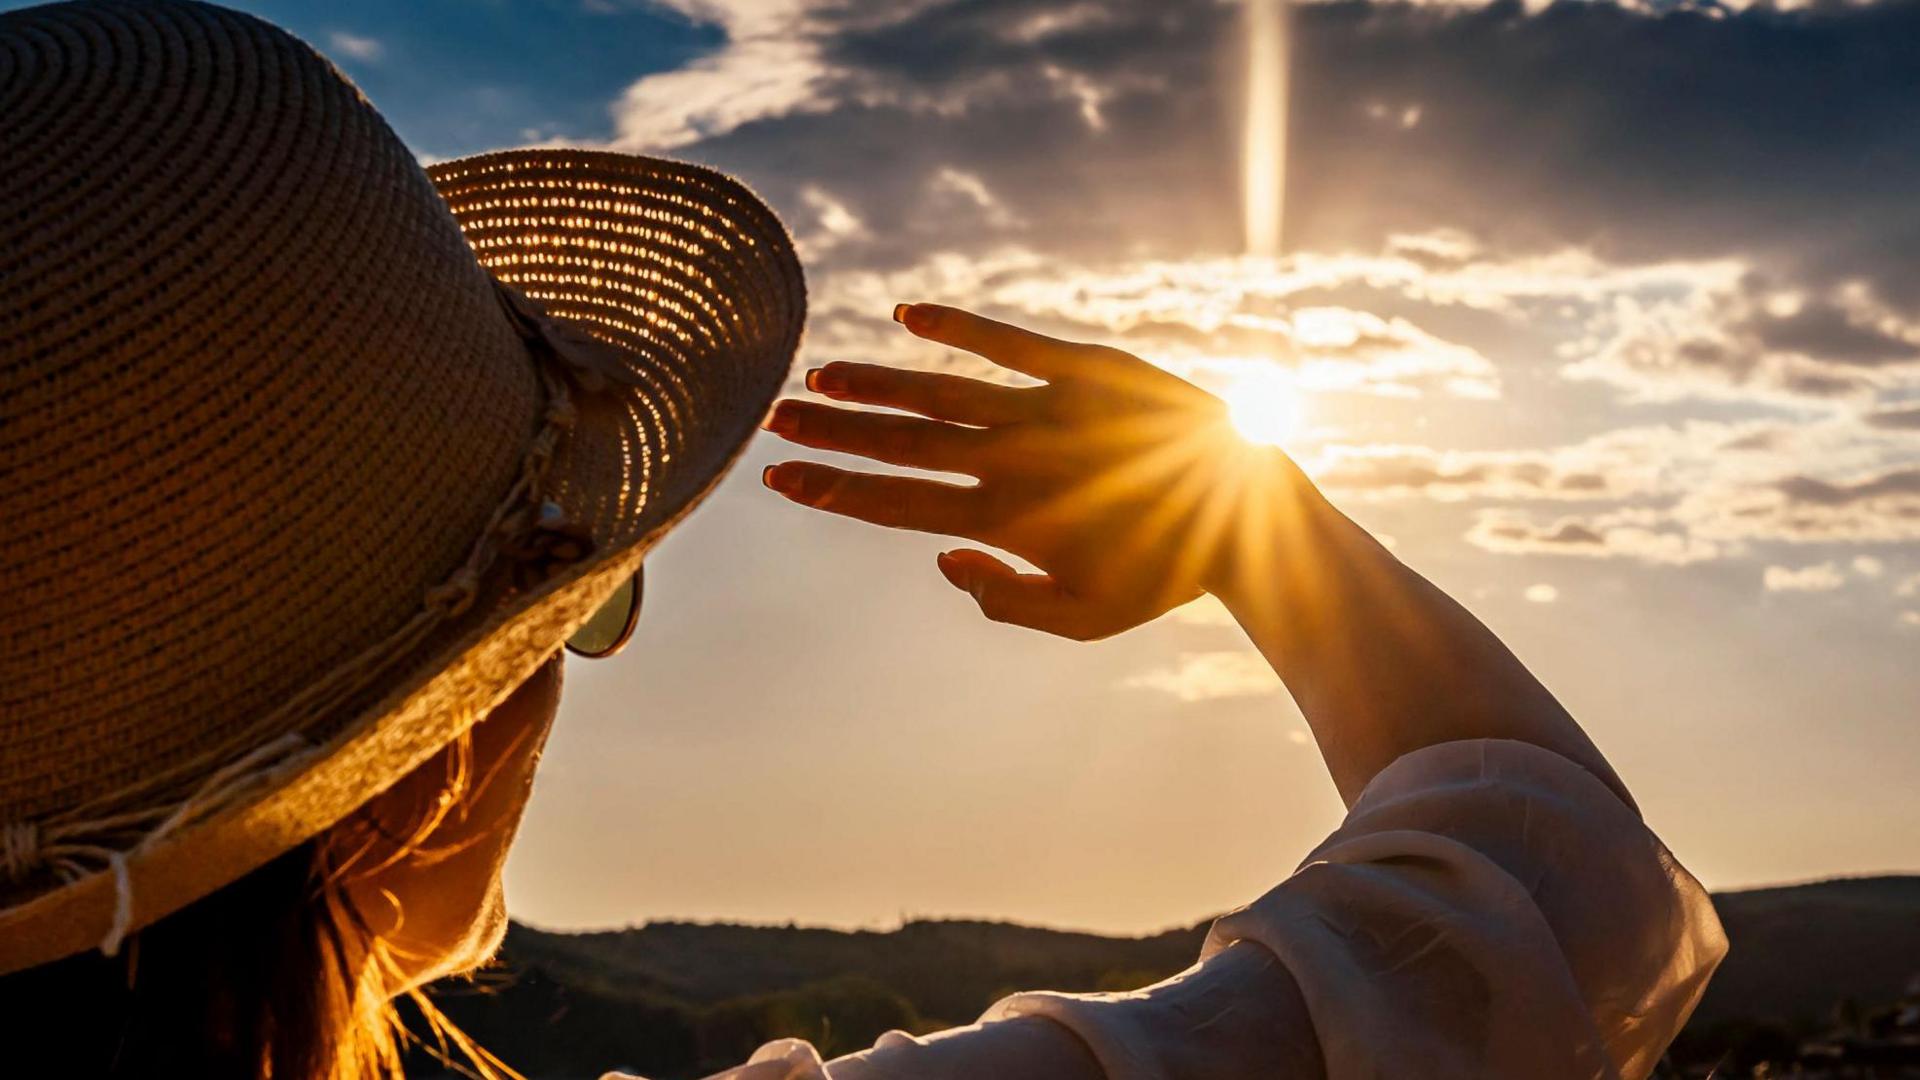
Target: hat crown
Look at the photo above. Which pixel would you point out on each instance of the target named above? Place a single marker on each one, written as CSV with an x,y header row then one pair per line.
x,y
256,395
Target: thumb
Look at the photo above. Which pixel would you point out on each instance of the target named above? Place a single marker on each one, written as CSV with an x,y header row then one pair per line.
x,y
1005,595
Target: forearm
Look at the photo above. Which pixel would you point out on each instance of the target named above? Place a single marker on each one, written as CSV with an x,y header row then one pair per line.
x,y
1380,661
1022,1048
1238,1013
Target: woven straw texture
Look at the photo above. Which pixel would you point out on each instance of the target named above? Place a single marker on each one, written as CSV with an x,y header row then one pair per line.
x,y
262,408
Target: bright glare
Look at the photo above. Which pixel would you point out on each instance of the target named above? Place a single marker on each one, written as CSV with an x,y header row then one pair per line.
x,y
1265,405
1265,143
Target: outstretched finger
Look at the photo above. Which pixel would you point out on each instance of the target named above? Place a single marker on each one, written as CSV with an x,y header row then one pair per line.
x,y
952,398
887,437
897,502
1035,601
1003,343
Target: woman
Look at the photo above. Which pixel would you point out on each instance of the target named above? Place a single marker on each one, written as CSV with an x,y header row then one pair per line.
x,y
311,463
302,503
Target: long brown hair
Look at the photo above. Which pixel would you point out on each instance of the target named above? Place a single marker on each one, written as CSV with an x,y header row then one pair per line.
x,y
274,975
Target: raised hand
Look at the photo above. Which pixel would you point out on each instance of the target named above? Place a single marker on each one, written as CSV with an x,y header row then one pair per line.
x,y
1125,487
1107,476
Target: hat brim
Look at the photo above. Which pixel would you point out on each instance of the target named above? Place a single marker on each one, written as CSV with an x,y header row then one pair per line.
x,y
696,281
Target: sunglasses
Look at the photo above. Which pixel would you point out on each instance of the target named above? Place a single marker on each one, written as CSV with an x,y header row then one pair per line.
x,y
608,630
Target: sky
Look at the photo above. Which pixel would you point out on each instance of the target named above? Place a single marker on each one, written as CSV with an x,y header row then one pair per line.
x,y
1606,316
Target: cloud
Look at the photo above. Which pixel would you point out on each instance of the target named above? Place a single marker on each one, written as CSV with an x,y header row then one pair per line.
x,y
1075,166
1879,507
832,224
365,49
1717,491
1573,150
1206,676
1541,594
1397,471
1758,341
1618,219
1900,484
1718,506
1642,134
971,191
1205,318
1820,577
770,66
1612,466
1654,462
1905,418
1624,536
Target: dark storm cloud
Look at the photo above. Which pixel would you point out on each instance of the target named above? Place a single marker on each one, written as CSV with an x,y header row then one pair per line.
x,y
1791,138
1004,91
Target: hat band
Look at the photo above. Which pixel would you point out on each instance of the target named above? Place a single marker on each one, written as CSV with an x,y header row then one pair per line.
x,y
103,834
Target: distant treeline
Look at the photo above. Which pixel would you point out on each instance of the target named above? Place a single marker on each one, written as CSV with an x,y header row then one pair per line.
x,y
677,1000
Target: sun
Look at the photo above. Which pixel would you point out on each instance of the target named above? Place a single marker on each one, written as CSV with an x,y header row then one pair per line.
x,y
1264,404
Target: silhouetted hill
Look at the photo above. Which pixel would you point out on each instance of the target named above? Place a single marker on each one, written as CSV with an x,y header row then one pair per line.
x,y
1799,949
948,970
678,999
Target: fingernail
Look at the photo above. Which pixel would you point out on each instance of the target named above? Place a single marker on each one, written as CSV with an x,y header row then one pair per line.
x,y
826,380
950,569
900,313
780,480
782,421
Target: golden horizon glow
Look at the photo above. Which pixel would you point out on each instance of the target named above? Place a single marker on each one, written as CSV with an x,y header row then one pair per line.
x,y
1265,143
1264,404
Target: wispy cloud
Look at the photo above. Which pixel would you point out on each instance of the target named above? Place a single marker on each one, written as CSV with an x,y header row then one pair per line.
x,y
1903,418
1613,466
1760,341
972,191
1206,676
832,225
1046,167
1205,317
1878,507
1820,577
770,66
1622,535
365,49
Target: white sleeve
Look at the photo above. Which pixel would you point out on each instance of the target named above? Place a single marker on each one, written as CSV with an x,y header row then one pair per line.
x,y
1489,909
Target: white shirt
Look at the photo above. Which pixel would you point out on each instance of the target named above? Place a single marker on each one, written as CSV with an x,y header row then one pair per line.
x,y
1487,909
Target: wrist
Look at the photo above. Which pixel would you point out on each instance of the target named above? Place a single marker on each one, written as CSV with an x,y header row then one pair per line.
x,y
1274,513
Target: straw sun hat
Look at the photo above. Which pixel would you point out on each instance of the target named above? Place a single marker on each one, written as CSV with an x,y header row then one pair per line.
x,y
308,457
